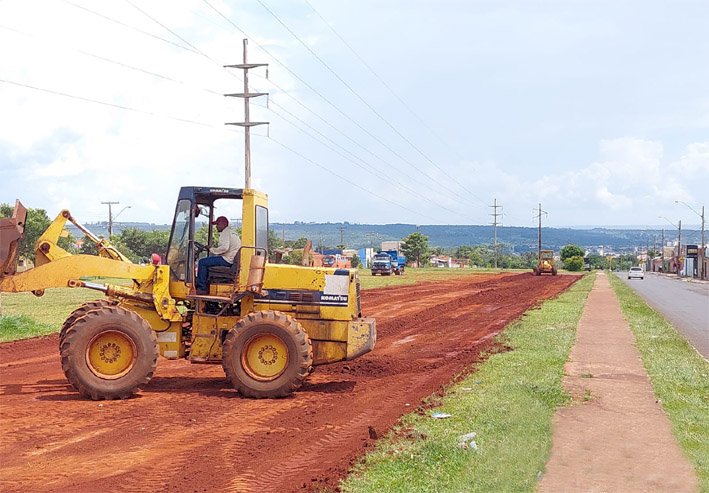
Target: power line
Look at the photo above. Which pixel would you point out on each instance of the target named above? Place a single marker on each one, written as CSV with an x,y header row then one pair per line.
x,y
111,19
194,48
370,169
104,103
154,74
345,179
358,96
114,62
328,101
197,50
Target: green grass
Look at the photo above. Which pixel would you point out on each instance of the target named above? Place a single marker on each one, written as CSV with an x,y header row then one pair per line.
x,y
13,327
679,376
508,402
23,315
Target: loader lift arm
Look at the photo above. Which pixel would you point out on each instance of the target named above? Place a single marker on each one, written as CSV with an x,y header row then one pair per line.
x,y
57,268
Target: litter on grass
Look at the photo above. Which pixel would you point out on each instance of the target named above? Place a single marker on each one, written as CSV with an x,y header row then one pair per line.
x,y
467,441
440,415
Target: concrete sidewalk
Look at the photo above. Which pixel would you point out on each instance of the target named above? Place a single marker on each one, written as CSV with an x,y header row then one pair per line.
x,y
615,437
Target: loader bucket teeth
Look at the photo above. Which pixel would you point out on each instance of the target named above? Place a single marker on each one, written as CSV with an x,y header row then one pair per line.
x,y
11,232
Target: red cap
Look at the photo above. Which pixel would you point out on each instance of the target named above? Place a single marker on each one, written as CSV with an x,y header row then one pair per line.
x,y
221,219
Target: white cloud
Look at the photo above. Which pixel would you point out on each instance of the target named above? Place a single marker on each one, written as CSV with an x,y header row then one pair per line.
x,y
490,84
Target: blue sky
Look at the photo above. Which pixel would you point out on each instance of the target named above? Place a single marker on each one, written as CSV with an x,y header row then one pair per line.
x,y
597,109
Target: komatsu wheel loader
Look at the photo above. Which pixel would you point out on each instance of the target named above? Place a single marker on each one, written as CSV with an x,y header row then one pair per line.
x,y
267,324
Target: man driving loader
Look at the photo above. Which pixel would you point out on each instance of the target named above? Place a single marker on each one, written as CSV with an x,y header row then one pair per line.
x,y
222,255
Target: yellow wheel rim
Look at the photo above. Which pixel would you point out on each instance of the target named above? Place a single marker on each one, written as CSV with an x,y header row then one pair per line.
x,y
111,354
265,357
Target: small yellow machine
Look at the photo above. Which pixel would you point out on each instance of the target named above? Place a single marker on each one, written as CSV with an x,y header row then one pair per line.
x,y
545,263
267,324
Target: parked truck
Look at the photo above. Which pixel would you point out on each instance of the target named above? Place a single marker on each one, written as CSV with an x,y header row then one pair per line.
x,y
398,262
382,264
388,262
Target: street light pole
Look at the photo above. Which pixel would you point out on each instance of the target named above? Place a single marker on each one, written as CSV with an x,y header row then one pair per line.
x,y
110,216
679,239
701,265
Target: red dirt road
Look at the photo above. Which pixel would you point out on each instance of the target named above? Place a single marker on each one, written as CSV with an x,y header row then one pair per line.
x,y
189,431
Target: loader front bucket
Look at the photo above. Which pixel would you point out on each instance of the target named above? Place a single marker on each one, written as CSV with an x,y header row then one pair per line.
x,y
11,232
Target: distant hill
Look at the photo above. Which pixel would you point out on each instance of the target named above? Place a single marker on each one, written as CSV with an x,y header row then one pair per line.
x,y
515,239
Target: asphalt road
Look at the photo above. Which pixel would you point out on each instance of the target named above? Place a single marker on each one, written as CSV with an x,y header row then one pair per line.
x,y
684,304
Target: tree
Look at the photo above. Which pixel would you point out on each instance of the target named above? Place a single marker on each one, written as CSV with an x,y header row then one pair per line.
x,y
274,241
574,263
88,247
355,262
141,243
569,251
299,243
596,261
295,257
36,223
415,247
118,243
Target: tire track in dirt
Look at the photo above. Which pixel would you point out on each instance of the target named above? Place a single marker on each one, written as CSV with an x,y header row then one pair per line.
x,y
189,431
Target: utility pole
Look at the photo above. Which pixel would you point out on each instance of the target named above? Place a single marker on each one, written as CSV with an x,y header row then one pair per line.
x,y
539,235
247,123
494,226
679,247
110,217
662,248
342,241
702,274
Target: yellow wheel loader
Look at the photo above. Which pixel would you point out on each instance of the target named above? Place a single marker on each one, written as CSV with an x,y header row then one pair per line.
x,y
545,263
267,324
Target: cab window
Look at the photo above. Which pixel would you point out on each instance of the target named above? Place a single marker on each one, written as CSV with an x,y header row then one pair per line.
x,y
261,227
178,250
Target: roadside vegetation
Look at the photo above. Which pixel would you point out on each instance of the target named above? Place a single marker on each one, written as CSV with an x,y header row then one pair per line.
x,y
678,373
508,403
23,315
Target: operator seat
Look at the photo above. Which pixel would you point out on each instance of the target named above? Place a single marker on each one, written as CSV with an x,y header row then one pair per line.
x,y
224,275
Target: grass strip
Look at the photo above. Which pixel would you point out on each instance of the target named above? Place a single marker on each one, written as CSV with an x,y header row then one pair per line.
x,y
508,402
13,327
23,315
678,373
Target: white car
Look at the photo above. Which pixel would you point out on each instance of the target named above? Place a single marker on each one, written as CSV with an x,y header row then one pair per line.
x,y
636,273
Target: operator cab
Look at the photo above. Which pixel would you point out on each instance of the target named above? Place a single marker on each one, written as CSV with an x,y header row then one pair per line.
x,y
196,209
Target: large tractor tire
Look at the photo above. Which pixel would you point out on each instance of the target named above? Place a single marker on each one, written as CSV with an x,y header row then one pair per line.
x,y
80,312
109,353
267,354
